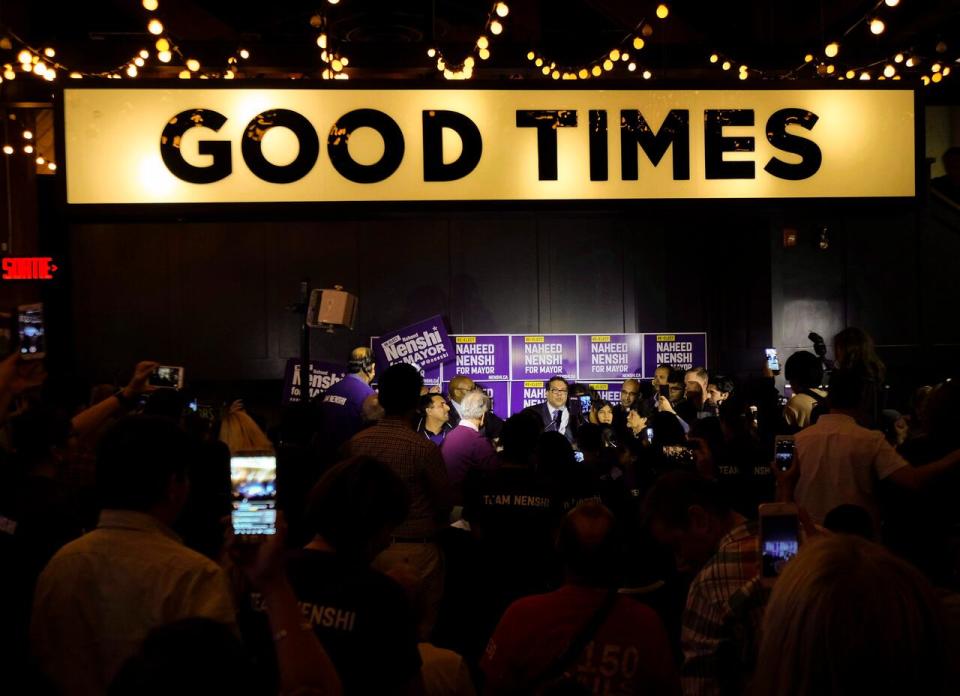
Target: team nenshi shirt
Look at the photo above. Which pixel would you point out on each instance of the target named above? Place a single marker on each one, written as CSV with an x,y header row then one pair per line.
x,y
629,653
341,411
362,618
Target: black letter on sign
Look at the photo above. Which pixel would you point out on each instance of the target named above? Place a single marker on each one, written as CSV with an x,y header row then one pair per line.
x,y
809,151
715,144
433,124
598,145
172,156
252,142
340,154
634,131
546,123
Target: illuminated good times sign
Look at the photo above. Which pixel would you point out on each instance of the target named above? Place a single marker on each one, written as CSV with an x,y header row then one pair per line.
x,y
324,145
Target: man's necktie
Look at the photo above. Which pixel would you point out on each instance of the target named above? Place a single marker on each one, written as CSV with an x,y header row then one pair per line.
x,y
557,417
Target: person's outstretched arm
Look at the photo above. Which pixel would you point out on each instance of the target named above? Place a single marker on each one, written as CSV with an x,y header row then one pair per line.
x,y
92,418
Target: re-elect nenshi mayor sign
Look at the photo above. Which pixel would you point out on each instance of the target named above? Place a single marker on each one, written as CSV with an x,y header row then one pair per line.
x,y
242,145
424,344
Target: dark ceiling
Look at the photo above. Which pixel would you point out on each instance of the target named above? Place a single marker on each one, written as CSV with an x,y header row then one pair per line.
x,y
389,38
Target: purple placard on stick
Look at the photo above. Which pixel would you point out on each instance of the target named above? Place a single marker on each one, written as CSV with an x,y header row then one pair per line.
x,y
542,357
527,393
611,356
423,345
680,351
499,393
323,375
480,358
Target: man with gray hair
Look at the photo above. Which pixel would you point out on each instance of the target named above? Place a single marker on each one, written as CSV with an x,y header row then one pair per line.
x,y
465,448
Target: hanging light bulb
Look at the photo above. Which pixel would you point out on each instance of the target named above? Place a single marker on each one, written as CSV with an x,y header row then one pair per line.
x,y
877,26
726,65
714,57
346,61
155,27
41,160
24,57
28,149
925,80
162,44
7,150
131,71
501,9
638,42
49,52
27,135
608,65
662,11
632,67
52,166
538,62
138,61
555,75
244,53
898,58
596,70
936,67
936,77
8,74
193,64
150,5
322,41
184,75
744,75
615,54
484,53
647,74
945,71
337,65
333,2
808,58
164,56
583,73
624,56
76,76
911,61
496,28
831,70
40,69
832,49
229,75
889,70
865,75
483,42
892,3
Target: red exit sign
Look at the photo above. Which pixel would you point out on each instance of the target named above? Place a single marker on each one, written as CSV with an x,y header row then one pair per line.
x,y
28,268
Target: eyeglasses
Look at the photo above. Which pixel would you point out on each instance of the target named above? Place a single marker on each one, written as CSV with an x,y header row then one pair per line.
x,y
558,391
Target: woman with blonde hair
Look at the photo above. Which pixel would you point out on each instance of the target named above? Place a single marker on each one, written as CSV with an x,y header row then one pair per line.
x,y
241,433
847,618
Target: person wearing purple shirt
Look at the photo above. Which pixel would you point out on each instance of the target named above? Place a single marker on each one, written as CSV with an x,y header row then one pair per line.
x,y
435,418
341,409
464,447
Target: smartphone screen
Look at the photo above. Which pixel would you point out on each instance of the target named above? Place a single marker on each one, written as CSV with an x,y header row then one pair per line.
x,y
254,485
773,362
784,453
578,455
585,403
167,377
30,331
779,542
664,390
649,434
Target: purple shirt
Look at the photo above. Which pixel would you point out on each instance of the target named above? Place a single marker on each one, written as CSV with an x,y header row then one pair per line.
x,y
464,449
341,411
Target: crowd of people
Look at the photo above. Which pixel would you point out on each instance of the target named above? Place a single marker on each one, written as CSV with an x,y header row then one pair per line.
x,y
425,545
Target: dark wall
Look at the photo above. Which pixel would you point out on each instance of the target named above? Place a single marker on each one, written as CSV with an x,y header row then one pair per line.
x,y
212,295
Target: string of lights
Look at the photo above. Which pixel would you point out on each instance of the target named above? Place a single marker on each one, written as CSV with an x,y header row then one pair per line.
x,y
334,60
481,47
28,147
618,56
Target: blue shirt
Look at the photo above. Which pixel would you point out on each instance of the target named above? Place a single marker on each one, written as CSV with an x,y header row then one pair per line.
x,y
341,411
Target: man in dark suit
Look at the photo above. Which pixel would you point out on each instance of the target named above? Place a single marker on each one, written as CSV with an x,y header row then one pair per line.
x,y
553,412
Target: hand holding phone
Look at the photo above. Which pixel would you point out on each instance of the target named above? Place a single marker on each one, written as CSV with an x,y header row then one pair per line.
x,y
166,377
773,362
780,539
31,331
784,452
253,478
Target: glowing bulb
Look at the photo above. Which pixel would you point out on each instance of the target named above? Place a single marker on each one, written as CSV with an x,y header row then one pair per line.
x,y
898,58
714,57
555,75
832,49
496,28
545,69
431,52
441,64
647,74
164,56
743,68
468,62
808,58
28,149
624,56
889,70
51,166
638,43
333,2
925,80
596,70
193,64
49,52
8,74
744,76
40,160
936,77
155,27
24,56
150,5
346,61
531,55
662,11
892,3
50,75
726,65
911,61
831,70
40,69
877,26
864,75
322,41
484,53
584,73
76,76
945,71
229,75
501,9
615,54
244,53
935,67
184,75
337,65
484,42
7,150
162,44
608,65
538,62
131,71
138,61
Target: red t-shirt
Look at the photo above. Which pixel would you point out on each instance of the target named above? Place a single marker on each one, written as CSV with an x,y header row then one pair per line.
x,y
629,654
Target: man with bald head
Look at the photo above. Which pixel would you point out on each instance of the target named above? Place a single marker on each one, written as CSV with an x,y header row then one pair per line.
x,y
460,386
536,631
629,397
341,409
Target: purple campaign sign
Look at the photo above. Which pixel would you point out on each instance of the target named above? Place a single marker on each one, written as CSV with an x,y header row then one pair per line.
x,y
542,357
323,375
616,356
499,393
480,358
680,351
608,391
527,393
423,345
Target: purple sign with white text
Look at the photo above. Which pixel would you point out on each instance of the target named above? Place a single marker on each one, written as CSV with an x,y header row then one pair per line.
x,y
612,356
499,393
323,375
679,351
527,393
480,358
542,357
424,345
608,391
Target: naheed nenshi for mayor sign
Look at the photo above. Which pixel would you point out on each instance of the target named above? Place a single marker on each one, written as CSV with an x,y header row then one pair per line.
x,y
255,144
